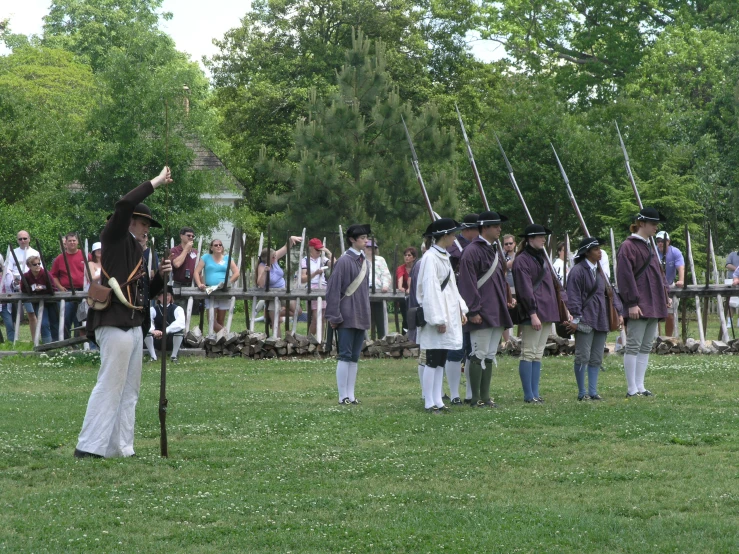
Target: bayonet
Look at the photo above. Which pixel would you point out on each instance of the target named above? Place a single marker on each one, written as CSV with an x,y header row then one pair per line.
x,y
417,170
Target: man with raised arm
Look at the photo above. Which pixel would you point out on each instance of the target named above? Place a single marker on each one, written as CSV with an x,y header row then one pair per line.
x,y
107,430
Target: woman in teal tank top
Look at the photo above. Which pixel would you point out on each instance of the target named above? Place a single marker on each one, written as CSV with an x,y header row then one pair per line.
x,y
211,271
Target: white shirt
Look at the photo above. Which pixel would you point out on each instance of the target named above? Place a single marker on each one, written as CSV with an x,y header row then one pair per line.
x,y
22,256
317,281
175,327
439,307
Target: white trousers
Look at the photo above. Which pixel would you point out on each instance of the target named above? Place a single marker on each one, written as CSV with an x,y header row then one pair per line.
x,y
111,410
485,343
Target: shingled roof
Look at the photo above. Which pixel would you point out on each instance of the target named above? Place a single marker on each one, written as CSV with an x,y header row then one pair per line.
x,y
206,160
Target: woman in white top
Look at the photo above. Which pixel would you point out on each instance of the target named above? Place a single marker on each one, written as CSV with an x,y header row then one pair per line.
x,y
95,264
443,310
319,258
383,282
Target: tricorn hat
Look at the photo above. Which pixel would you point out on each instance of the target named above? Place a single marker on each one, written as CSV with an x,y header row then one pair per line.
x,y
469,221
358,230
441,227
490,218
586,245
534,230
650,214
142,210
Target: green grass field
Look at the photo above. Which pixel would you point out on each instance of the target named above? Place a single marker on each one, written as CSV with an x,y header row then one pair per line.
x,y
262,459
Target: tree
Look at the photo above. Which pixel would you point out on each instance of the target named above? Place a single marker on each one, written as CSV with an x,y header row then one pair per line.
x,y
351,162
268,67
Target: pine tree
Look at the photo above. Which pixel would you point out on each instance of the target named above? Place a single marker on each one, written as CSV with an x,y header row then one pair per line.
x,y
351,161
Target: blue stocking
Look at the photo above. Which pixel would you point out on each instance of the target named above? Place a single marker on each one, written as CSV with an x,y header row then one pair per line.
x,y
535,374
524,372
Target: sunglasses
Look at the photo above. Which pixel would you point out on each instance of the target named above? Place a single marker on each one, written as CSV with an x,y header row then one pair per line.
x,y
508,244
216,245
35,265
190,236
22,238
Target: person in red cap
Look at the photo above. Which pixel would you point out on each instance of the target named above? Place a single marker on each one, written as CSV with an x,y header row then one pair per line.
x,y
319,258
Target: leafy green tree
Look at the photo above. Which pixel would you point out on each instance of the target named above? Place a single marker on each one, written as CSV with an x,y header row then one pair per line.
x,y
351,161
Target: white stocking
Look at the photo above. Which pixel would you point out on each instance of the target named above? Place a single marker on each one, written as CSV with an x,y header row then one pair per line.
x,y
453,377
428,386
438,382
641,369
342,377
630,371
352,380
149,342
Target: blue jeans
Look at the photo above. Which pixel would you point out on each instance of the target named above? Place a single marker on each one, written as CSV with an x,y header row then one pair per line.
x,y
50,322
350,344
7,315
70,317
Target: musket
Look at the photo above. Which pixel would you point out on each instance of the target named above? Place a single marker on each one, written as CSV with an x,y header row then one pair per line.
x,y
230,254
472,161
417,170
288,273
66,263
633,183
580,218
268,264
329,329
512,179
163,402
395,287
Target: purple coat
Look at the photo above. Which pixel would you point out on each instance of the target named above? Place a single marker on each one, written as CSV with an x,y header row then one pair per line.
x,y
580,282
543,302
649,291
490,300
412,298
351,312
455,253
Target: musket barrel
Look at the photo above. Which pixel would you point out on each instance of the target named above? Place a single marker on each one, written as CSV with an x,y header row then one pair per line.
x,y
583,226
471,158
417,170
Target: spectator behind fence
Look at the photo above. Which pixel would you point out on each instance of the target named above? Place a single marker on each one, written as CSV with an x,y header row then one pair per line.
x,y
6,310
674,268
183,258
23,252
732,263
95,263
559,263
320,260
175,326
61,279
210,272
276,278
38,281
383,282
404,281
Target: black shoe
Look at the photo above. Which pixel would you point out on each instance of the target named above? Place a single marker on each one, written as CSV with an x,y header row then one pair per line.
x,y
490,404
532,401
646,393
632,395
596,397
344,402
478,404
445,397
83,454
356,401
433,410
468,401
173,360
444,408
540,400
456,401
583,397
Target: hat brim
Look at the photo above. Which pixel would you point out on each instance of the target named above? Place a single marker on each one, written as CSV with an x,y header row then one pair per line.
x,y
583,250
487,222
545,233
152,222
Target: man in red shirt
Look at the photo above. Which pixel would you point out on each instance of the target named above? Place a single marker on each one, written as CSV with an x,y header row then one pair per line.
x,y
63,281
183,258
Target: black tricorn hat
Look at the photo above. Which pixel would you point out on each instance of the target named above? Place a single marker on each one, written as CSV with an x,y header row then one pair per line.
x,y
469,221
586,245
534,230
142,210
490,218
358,230
441,227
650,214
